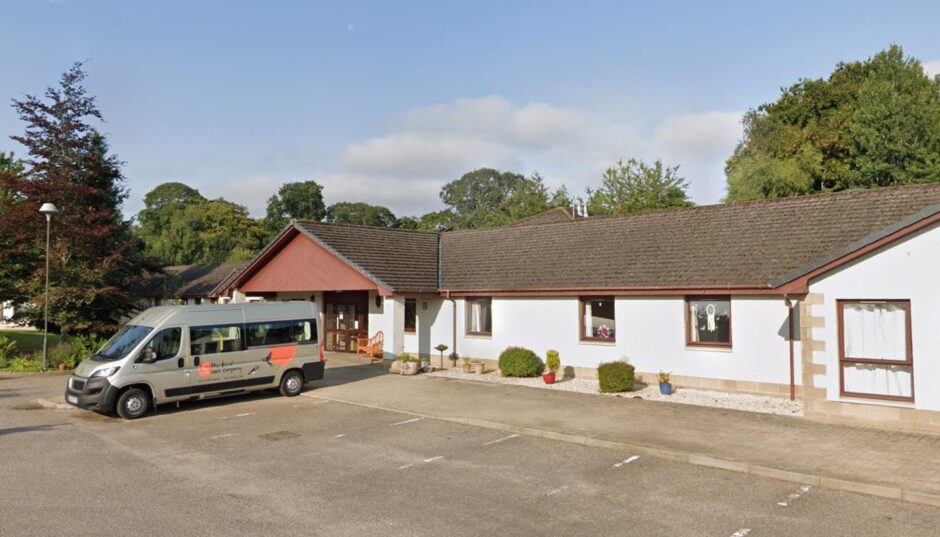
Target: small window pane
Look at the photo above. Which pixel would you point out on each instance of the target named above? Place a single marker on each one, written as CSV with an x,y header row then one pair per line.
x,y
479,318
875,331
599,319
411,315
166,344
304,331
269,333
215,339
710,320
876,379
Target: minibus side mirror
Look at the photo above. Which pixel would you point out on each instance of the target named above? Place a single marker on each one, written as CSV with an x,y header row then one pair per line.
x,y
148,356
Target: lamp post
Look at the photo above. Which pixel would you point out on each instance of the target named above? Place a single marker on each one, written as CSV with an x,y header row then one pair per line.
x,y
47,209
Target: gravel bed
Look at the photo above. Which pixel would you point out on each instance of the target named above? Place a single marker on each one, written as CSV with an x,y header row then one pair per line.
x,y
689,396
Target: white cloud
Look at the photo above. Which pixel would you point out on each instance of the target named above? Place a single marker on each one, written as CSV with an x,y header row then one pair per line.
x,y
424,148
932,68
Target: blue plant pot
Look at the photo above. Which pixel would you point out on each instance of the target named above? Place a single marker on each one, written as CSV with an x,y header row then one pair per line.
x,y
665,389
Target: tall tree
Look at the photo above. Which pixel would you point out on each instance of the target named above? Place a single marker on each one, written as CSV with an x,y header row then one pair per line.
x,y
870,123
10,164
486,197
634,185
181,227
362,214
301,200
94,258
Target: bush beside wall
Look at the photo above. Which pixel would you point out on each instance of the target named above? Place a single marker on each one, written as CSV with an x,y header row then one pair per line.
x,y
519,362
616,377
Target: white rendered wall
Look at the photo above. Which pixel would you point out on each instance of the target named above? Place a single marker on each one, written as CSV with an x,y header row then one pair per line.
x,y
433,327
389,317
905,270
650,334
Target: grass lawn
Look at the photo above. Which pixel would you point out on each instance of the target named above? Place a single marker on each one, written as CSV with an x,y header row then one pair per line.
x,y
28,341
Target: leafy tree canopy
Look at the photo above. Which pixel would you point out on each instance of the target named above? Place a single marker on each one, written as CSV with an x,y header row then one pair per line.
x,y
870,123
94,259
634,185
488,198
300,200
362,214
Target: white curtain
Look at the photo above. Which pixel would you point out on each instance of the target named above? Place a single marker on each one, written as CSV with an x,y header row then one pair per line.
x,y
875,331
878,379
588,320
693,322
479,311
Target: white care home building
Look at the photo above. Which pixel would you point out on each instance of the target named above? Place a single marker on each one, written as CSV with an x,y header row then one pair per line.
x,y
832,298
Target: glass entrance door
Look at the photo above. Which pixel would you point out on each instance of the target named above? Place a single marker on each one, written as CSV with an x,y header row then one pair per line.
x,y
344,323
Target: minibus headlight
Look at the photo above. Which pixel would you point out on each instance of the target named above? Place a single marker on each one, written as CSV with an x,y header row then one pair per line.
x,y
106,372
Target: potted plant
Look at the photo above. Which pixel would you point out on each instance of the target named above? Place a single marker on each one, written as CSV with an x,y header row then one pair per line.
x,y
665,387
477,367
453,359
405,364
467,367
441,348
553,364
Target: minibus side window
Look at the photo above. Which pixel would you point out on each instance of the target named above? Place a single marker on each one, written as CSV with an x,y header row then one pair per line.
x,y
166,344
304,331
269,333
215,339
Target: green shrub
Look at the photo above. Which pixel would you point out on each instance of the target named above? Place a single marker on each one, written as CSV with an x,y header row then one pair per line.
x,y
405,357
615,377
519,362
23,364
552,361
77,349
7,348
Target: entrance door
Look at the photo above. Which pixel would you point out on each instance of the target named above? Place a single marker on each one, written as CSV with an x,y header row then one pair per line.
x,y
346,320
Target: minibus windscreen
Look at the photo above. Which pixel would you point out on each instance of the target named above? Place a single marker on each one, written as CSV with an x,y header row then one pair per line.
x,y
121,343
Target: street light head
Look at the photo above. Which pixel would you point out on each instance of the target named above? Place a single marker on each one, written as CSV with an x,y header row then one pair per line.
x,y
48,209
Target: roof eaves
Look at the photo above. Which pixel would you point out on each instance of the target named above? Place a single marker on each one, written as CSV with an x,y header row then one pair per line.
x,y
871,238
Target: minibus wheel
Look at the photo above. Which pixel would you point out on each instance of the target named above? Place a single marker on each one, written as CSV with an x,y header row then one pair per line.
x,y
292,383
133,404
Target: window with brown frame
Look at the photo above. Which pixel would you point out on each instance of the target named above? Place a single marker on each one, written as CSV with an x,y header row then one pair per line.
x,y
598,319
708,321
876,358
411,315
479,316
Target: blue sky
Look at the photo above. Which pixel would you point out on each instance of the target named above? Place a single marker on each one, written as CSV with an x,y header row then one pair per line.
x,y
384,102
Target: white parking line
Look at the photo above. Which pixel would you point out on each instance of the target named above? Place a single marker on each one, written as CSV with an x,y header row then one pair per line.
x,y
741,532
498,440
222,436
432,459
792,497
245,414
405,466
626,461
340,435
407,421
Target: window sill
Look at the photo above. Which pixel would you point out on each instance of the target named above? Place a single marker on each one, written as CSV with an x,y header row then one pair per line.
x,y
598,342
708,348
875,402
479,336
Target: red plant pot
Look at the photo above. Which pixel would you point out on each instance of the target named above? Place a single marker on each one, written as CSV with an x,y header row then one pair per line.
x,y
549,378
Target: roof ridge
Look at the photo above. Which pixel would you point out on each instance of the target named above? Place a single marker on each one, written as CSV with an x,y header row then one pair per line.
x,y
361,226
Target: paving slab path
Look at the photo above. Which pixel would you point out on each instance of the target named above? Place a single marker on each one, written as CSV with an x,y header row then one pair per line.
x,y
894,464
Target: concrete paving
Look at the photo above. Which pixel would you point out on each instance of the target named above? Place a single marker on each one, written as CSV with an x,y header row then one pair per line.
x,y
887,463
263,464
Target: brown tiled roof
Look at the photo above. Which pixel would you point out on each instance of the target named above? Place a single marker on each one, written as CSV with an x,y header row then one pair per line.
x,y
401,260
558,214
758,244
189,281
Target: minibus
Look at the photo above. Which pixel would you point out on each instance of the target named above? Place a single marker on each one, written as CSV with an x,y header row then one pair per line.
x,y
175,353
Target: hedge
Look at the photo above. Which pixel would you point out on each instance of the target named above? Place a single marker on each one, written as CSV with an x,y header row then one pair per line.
x,y
615,377
519,362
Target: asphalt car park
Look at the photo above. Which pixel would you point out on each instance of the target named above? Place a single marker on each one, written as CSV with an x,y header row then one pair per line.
x,y
258,464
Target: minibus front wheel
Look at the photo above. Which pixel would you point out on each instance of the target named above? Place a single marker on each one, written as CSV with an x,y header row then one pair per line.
x,y
133,404
292,383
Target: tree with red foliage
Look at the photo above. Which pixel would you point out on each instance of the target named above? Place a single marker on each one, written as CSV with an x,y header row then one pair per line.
x,y
94,258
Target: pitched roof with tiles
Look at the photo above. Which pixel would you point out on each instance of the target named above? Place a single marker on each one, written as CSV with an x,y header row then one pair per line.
x,y
558,214
756,244
402,260
190,281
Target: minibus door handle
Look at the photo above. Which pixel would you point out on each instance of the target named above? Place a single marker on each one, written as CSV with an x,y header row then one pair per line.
x,y
179,363
195,360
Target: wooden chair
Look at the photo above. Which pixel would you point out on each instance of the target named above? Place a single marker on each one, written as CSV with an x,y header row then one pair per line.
x,y
373,347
